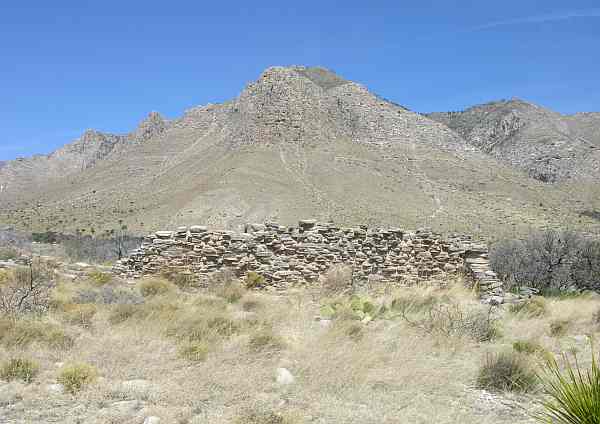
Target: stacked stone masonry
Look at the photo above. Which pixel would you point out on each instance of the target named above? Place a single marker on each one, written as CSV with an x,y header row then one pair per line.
x,y
290,255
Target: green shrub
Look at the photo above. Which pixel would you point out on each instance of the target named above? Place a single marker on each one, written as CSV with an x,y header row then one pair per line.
x,y
353,308
573,395
155,286
74,377
198,328
254,280
559,327
507,371
527,347
100,278
24,332
265,340
8,253
19,368
533,308
196,351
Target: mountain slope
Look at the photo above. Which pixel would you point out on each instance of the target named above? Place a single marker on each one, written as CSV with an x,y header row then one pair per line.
x,y
550,147
84,153
298,142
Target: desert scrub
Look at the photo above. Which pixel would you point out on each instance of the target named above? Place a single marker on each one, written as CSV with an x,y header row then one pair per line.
x,y
155,286
533,308
254,280
528,347
265,340
24,332
210,302
250,305
8,253
414,303
232,293
81,315
456,320
61,295
354,330
99,278
596,317
572,394
182,280
19,369
337,280
74,377
122,313
253,416
507,371
353,308
209,327
559,327
196,351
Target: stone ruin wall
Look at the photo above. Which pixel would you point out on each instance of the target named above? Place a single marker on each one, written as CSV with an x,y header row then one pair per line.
x,y
291,255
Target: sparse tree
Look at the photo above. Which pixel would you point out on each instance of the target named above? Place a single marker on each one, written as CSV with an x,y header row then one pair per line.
x,y
26,289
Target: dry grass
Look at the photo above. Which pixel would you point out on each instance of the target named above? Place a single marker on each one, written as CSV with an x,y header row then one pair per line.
x,y
198,358
19,368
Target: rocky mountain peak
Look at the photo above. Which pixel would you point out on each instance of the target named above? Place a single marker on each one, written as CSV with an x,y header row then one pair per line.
x,y
154,124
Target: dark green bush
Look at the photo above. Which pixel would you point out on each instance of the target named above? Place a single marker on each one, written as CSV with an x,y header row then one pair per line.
x,y
507,371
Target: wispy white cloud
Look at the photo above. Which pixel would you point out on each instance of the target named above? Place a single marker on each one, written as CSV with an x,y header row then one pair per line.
x,y
550,17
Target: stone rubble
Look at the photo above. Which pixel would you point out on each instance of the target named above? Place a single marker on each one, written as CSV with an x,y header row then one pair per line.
x,y
298,255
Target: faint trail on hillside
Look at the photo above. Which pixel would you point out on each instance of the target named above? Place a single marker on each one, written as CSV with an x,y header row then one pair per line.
x,y
425,182
300,176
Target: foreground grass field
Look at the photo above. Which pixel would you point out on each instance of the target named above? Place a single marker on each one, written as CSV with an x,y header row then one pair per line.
x,y
145,352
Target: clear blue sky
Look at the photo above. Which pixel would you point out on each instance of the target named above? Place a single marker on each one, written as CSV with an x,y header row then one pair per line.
x,y
71,65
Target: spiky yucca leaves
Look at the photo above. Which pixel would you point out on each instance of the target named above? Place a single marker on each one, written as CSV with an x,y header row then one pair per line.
x,y
573,394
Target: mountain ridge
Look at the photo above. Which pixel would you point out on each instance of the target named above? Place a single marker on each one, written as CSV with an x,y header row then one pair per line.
x,y
549,146
297,142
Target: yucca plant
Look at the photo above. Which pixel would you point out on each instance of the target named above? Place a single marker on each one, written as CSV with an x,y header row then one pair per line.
x,y
573,394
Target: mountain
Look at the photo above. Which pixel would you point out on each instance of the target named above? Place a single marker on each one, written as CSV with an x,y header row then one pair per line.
x,y
298,142
84,153
549,146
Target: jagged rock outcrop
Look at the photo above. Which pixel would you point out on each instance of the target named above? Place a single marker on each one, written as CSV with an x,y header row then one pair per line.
x,y
290,255
153,126
549,146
